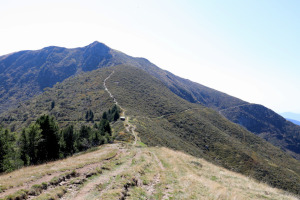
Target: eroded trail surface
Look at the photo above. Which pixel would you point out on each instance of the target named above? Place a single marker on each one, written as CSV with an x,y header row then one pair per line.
x,y
122,171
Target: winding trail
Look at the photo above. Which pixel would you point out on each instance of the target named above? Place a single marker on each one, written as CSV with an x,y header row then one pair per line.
x,y
128,126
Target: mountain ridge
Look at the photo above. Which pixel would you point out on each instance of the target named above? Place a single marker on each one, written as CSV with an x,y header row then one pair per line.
x,y
26,74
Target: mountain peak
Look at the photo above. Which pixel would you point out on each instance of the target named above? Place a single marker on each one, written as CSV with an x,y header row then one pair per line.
x,y
97,44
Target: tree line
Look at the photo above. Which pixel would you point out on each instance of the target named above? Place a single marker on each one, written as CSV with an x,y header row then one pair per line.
x,y
44,141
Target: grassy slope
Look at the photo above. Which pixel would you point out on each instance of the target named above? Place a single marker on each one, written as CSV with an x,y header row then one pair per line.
x,y
281,133
119,171
72,99
268,125
162,118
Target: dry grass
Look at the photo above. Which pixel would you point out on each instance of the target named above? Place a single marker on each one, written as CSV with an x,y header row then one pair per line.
x,y
27,174
193,178
148,173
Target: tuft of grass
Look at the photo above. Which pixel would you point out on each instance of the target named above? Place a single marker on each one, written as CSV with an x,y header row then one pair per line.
x,y
2,188
37,189
19,195
55,194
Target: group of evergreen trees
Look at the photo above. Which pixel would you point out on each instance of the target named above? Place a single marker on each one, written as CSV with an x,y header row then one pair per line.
x,y
43,140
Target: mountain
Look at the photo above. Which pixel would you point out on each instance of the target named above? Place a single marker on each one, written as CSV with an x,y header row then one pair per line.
x,y
268,125
117,171
290,115
26,74
294,121
162,118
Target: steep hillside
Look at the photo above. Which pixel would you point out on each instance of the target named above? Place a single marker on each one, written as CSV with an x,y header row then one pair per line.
x,y
163,118
268,125
120,171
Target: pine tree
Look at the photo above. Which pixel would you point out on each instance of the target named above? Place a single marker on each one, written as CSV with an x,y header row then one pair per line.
x,y
116,116
67,141
50,143
2,149
84,138
34,142
52,104
104,127
7,153
89,116
104,115
24,145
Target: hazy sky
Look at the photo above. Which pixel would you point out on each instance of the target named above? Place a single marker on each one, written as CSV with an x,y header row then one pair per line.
x,y
247,48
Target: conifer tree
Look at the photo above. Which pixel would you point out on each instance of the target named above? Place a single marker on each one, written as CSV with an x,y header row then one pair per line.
x,y
34,141
24,146
50,140
8,157
67,141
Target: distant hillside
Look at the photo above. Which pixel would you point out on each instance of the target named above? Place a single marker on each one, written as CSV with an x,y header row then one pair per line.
x,y
268,125
163,119
291,115
294,121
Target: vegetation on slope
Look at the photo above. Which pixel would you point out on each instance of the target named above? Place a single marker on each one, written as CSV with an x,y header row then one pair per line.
x,y
26,73
43,141
164,118
268,125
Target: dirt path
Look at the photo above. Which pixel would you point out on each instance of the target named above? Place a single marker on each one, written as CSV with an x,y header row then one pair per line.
x,y
131,129
128,126
102,179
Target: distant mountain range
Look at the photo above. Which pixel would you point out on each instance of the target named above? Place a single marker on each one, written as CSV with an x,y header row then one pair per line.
x,y
292,117
167,110
294,121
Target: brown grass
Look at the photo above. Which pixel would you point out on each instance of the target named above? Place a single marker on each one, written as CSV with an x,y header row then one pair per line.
x,y
27,174
148,173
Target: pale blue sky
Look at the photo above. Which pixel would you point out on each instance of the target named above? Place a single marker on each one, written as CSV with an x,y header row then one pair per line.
x,y
247,48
